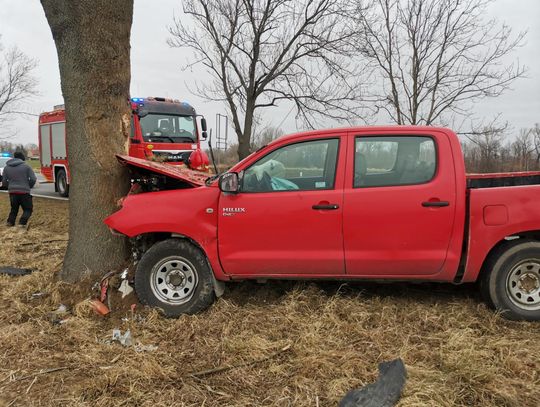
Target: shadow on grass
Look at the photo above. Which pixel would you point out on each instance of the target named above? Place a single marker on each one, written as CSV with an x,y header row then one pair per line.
x,y
274,291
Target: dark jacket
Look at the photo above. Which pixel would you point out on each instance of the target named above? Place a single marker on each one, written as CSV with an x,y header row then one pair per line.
x,y
18,177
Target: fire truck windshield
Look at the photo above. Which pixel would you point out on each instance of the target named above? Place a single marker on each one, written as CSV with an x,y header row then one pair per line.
x,y
168,128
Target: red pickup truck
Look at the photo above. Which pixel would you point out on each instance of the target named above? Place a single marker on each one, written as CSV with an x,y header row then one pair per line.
x,y
362,203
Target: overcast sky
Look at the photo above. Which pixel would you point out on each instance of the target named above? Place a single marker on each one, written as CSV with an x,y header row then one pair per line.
x,y
155,67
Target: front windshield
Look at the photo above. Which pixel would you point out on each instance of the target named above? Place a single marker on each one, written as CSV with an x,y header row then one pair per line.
x,y
3,161
168,128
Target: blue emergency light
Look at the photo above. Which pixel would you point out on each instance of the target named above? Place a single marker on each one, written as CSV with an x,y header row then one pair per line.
x,y
137,100
5,155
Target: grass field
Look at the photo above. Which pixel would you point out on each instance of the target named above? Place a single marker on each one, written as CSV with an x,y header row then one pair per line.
x,y
34,164
457,352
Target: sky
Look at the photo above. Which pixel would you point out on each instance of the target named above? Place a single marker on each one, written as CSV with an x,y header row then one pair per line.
x,y
156,68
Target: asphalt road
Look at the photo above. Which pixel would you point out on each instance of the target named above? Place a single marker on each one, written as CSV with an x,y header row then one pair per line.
x,y
44,189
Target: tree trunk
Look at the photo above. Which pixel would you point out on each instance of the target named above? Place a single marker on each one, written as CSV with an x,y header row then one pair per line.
x,y
244,136
244,145
92,41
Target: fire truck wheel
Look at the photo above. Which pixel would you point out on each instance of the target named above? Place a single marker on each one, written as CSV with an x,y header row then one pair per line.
x,y
173,275
512,280
61,183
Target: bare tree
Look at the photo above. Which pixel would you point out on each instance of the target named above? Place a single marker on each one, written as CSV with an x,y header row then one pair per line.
x,y
16,84
483,154
535,132
262,52
264,136
484,150
435,57
523,149
31,146
92,41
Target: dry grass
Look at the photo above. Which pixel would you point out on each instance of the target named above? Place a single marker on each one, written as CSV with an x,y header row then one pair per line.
x,y
457,352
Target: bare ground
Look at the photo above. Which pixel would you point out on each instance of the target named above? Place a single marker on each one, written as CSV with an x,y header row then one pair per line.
x,y
457,351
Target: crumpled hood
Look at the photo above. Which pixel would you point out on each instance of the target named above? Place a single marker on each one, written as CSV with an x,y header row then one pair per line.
x,y
14,162
191,177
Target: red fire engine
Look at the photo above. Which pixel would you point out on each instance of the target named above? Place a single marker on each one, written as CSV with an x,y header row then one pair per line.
x,y
162,129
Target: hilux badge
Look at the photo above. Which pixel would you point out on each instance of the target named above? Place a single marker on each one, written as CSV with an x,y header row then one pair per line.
x,y
232,211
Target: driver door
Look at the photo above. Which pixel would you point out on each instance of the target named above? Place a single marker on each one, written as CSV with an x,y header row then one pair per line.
x,y
287,218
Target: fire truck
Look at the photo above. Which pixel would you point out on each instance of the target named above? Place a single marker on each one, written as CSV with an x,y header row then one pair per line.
x,y
162,129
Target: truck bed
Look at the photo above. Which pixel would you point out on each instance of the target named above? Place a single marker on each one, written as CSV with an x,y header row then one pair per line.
x,y
503,179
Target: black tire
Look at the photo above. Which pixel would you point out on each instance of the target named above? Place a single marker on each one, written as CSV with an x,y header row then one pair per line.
x,y
173,275
62,186
511,280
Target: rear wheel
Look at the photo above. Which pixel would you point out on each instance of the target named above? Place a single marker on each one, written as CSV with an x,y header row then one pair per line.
x,y
174,276
512,280
62,186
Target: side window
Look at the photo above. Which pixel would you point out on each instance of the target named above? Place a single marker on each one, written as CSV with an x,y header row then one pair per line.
x,y
386,161
304,166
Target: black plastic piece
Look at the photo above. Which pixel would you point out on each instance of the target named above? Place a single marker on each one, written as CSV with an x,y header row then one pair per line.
x,y
503,181
435,203
329,207
14,271
385,392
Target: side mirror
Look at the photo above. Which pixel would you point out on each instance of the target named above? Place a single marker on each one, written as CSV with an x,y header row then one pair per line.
x,y
229,182
204,134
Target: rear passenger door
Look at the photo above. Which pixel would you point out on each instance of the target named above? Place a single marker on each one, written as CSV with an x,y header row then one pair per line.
x,y
399,204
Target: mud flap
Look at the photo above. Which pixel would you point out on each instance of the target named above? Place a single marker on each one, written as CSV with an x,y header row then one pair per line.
x,y
219,286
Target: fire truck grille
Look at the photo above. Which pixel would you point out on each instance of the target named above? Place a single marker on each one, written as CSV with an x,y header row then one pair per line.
x,y
172,157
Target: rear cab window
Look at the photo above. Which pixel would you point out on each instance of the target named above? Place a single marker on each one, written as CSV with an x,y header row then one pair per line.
x,y
394,160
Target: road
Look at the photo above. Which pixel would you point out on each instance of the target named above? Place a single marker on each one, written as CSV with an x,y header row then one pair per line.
x,y
44,190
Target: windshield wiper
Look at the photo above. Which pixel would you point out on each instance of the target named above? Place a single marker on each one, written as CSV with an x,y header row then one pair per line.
x,y
185,138
167,137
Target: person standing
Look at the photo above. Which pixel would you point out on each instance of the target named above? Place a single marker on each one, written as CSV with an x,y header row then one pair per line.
x,y
18,178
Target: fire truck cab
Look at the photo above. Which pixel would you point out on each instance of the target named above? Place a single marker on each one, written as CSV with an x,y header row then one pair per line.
x,y
162,129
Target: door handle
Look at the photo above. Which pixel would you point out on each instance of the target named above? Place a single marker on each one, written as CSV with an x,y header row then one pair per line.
x,y
325,207
437,204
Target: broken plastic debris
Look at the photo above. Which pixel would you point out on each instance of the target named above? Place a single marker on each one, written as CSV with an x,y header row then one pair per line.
x,y
14,271
125,339
99,307
145,348
384,392
125,288
61,309
60,321
104,286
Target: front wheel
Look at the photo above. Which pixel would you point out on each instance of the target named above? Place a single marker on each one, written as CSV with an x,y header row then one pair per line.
x,y
512,280
173,275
